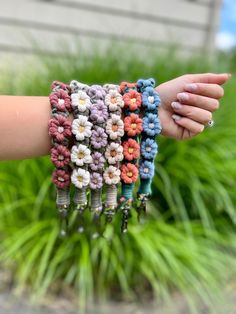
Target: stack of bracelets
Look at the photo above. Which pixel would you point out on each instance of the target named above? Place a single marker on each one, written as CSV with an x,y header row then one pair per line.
x,y
111,139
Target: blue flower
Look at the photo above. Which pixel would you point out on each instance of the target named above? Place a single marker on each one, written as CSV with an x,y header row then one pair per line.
x,y
146,169
150,99
142,84
151,124
149,148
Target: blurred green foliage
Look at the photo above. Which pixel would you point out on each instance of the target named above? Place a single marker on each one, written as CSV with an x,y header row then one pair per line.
x,y
188,240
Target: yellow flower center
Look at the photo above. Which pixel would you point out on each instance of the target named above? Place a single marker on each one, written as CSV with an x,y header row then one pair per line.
x,y
130,150
81,128
133,125
129,174
133,99
113,153
80,178
82,101
113,100
114,127
80,155
110,175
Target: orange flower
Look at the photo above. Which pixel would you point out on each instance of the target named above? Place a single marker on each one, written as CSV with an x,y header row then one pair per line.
x,y
133,125
131,149
129,173
125,87
132,100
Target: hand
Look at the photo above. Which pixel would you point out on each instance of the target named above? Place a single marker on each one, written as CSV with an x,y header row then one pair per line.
x,y
187,103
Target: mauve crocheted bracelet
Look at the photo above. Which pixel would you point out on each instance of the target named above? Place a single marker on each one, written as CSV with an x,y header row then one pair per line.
x,y
80,152
131,147
60,133
149,148
114,149
98,142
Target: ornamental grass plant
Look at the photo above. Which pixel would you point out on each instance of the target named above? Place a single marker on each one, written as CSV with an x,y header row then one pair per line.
x,y
188,240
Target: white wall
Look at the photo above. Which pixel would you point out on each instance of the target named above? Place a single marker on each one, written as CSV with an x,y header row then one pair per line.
x,y
53,25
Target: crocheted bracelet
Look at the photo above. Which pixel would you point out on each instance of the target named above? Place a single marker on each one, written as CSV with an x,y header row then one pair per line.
x,y
60,132
131,148
80,152
114,149
98,116
149,148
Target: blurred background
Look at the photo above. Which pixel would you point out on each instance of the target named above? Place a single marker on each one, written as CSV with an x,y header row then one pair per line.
x,y
182,259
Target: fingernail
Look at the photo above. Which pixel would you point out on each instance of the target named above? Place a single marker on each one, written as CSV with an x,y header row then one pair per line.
x,y
183,96
191,87
176,117
176,105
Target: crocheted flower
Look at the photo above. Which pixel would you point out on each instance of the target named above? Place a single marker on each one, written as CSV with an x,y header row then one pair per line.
x,y
99,113
80,178
98,138
60,156
81,155
112,175
149,148
129,173
115,127
146,169
132,100
143,84
133,125
98,161
114,100
60,100
81,101
61,178
81,128
125,87
59,128
131,149
114,153
95,181
151,124
150,99
96,92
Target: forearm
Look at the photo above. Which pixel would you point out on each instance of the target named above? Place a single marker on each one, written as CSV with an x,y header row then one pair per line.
x,y
24,127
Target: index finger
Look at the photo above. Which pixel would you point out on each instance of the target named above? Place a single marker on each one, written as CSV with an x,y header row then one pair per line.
x,y
210,78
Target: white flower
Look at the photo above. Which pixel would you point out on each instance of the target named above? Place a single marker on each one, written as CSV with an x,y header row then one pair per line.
x,y
114,100
115,127
80,100
80,178
81,128
81,155
112,175
114,153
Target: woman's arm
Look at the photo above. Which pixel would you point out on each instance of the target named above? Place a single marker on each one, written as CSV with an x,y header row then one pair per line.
x,y
24,119
24,127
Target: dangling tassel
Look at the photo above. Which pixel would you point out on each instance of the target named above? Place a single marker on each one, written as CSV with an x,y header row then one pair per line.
x,y
63,203
80,201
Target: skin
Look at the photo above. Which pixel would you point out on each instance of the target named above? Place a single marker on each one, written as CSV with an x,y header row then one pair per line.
x,y
24,119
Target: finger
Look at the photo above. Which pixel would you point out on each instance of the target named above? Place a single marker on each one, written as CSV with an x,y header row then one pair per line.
x,y
191,112
203,102
204,89
209,78
189,124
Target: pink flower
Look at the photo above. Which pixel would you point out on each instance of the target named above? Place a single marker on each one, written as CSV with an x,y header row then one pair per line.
x,y
60,100
60,156
59,128
61,178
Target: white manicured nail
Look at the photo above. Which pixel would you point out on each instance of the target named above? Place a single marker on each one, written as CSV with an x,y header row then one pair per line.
x,y
191,87
176,117
183,96
176,105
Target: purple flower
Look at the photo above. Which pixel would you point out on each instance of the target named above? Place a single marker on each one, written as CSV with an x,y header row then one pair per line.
x,y
99,138
99,112
96,92
96,181
98,161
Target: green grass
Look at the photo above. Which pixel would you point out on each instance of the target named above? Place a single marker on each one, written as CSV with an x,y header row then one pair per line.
x,y
188,240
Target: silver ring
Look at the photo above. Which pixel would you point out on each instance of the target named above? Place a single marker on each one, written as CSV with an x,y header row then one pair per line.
x,y
209,124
